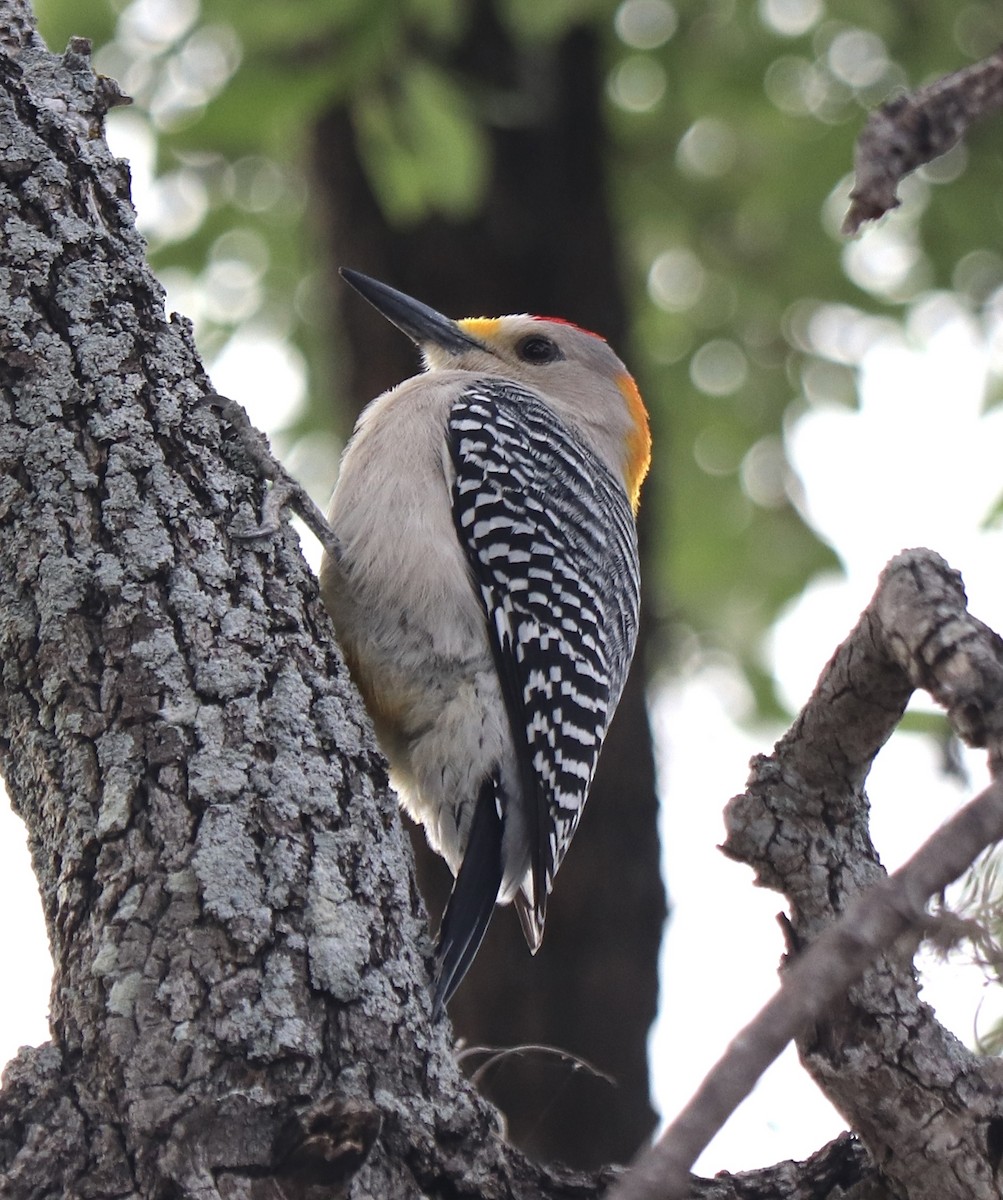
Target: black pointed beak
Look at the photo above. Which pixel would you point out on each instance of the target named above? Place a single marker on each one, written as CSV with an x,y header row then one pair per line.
x,y
423,325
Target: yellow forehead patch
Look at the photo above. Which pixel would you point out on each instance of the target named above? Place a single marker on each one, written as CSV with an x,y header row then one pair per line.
x,y
484,328
638,440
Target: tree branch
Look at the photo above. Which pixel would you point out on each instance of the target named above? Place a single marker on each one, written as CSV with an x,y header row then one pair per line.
x,y
914,129
915,632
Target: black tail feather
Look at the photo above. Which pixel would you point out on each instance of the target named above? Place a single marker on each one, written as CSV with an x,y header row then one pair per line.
x,y
472,899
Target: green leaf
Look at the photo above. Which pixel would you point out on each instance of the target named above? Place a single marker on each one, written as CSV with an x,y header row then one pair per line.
x,y
423,147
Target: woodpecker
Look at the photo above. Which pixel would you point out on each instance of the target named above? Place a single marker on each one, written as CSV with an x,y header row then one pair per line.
x,y
485,592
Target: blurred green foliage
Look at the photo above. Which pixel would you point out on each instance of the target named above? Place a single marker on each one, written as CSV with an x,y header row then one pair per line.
x,y
730,145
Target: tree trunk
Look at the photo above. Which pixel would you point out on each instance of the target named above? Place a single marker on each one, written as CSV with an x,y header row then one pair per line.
x,y
240,950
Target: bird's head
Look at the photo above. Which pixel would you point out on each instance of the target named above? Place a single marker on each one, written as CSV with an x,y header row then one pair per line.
x,y
575,371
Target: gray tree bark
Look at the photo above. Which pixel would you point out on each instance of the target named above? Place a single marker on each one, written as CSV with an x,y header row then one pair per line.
x,y
240,1005
237,938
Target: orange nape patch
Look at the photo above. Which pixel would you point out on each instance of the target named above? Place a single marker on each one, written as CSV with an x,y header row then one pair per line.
x,y
638,440
484,328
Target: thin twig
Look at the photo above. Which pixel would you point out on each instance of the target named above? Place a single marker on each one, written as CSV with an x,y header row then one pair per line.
x,y
497,1054
284,491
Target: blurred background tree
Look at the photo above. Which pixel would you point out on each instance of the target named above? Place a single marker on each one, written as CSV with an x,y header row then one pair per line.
x,y
671,174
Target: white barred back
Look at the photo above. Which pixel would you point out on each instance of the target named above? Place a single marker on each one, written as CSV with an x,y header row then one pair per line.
x,y
550,538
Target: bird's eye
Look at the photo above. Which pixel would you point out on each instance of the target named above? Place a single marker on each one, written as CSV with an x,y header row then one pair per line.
x,y
536,349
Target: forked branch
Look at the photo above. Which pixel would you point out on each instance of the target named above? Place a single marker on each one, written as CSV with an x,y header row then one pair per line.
x,y
802,825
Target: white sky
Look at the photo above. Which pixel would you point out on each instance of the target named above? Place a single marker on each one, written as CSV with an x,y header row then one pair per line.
x,y
924,472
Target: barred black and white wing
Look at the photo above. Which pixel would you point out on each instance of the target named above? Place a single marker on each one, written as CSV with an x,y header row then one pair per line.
x,y
550,538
